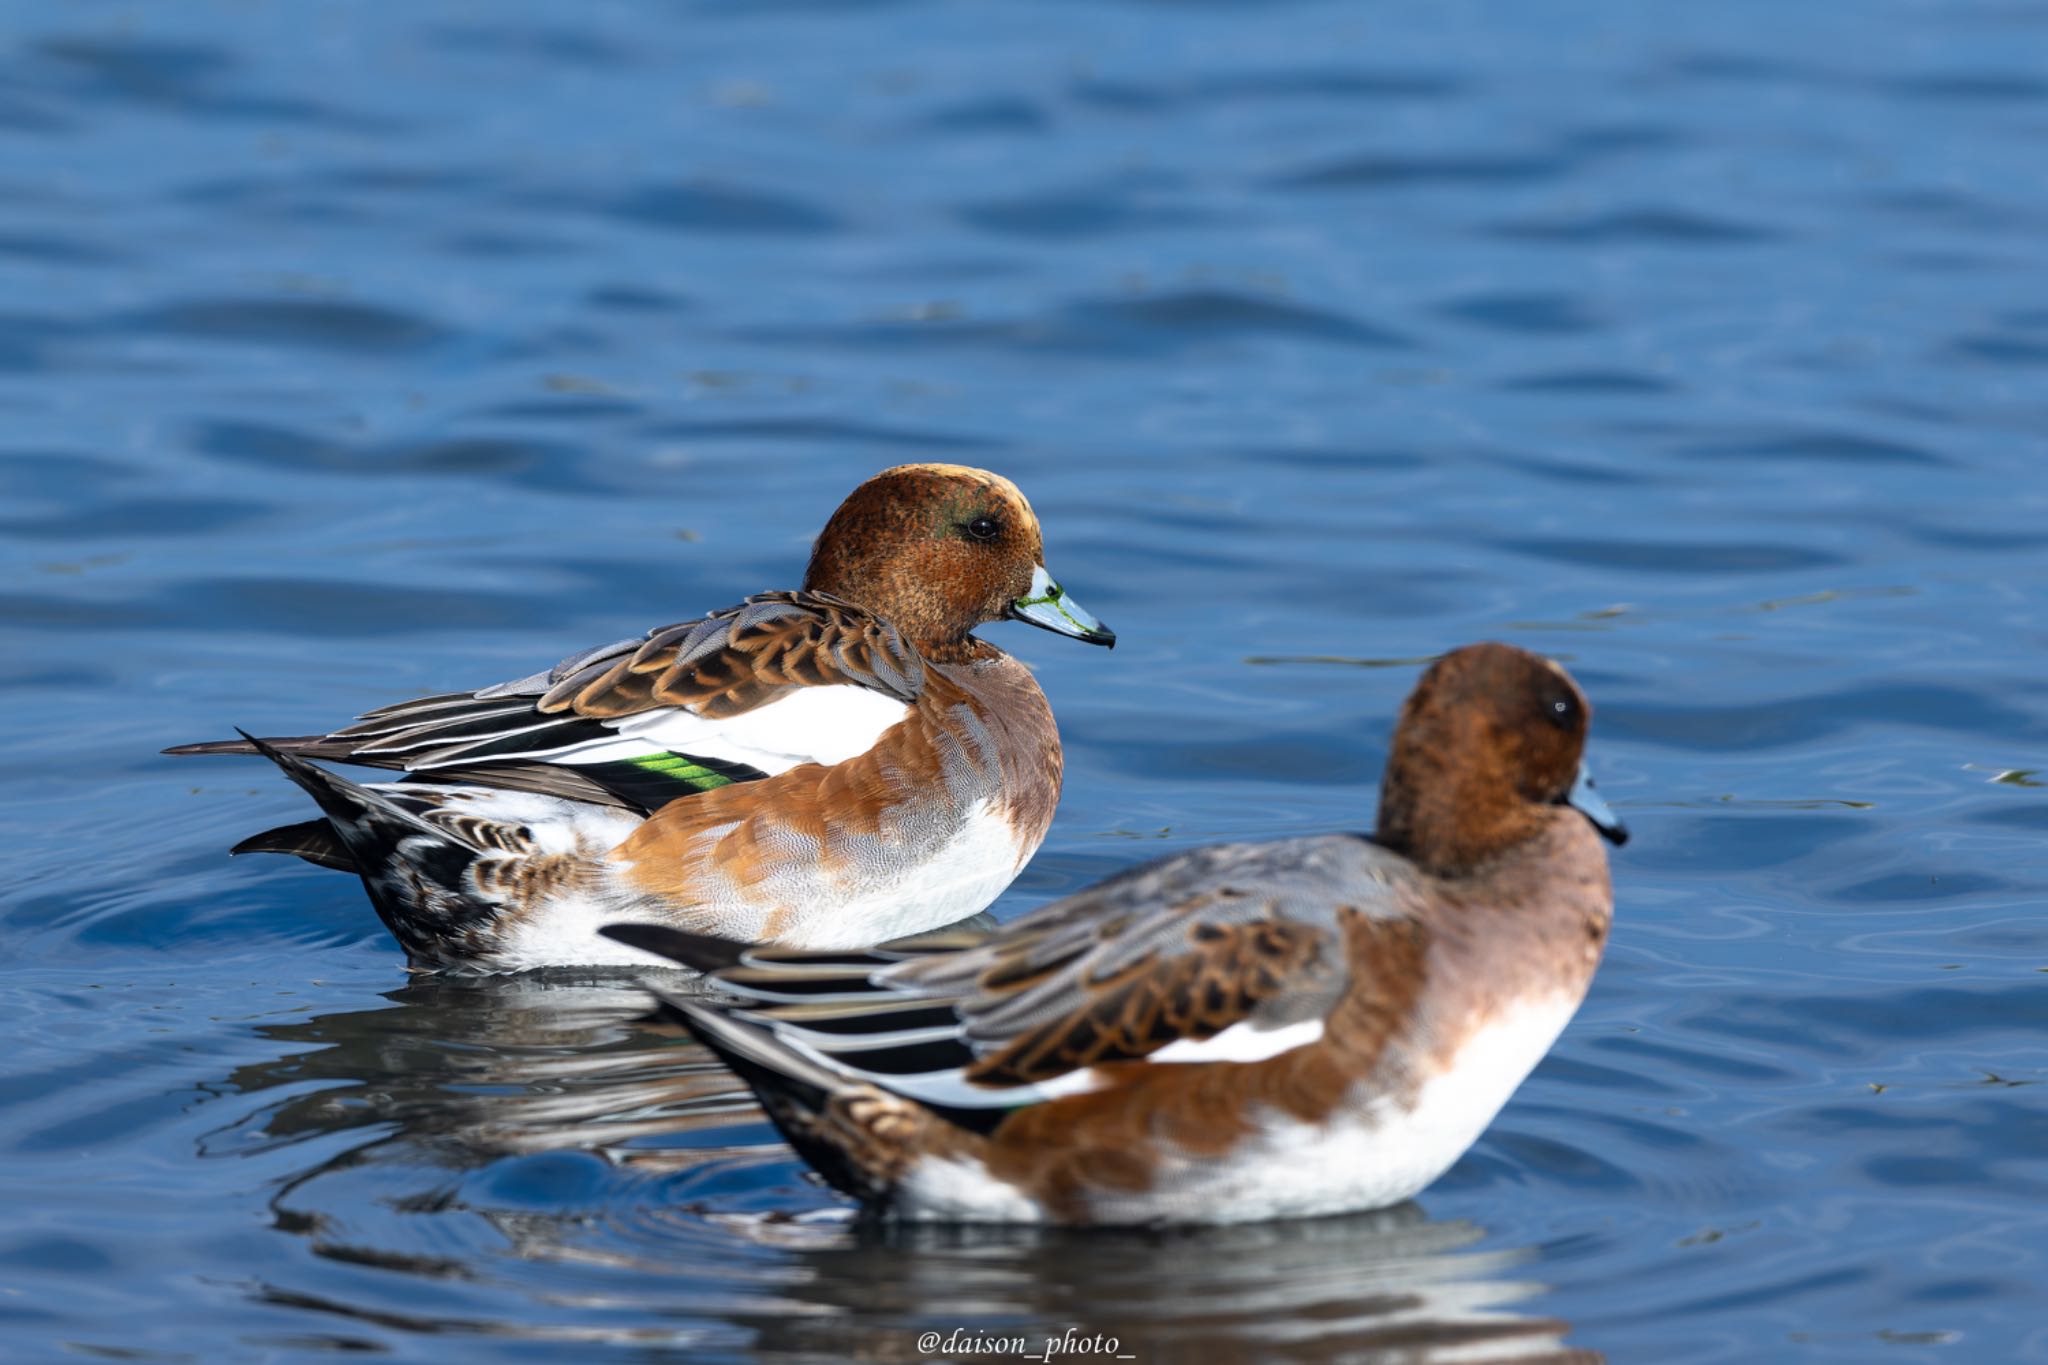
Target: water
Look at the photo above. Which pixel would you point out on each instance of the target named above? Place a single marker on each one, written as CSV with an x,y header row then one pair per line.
x,y
354,351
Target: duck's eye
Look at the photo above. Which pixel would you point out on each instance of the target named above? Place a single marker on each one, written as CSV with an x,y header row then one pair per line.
x,y
983,528
1562,711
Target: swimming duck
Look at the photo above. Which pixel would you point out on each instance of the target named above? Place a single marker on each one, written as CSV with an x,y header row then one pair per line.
x,y
826,768
1233,1033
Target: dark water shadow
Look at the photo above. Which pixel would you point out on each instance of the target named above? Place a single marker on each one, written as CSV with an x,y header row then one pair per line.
x,y
1124,326
192,80
524,460
1648,226
1396,169
315,324
722,208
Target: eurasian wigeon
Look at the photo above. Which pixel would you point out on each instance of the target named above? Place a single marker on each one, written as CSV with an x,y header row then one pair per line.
x,y
826,768
1237,1032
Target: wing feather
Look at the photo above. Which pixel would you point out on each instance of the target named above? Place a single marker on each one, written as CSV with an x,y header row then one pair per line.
x,y
1231,952
715,692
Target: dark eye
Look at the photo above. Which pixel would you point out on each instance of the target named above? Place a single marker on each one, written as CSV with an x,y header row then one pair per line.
x,y
983,528
1562,711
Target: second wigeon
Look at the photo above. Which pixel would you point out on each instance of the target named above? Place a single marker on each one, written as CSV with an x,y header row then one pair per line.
x,y
826,768
1233,1033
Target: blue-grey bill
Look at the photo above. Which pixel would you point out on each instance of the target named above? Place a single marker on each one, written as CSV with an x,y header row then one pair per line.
x,y
1048,607
1594,807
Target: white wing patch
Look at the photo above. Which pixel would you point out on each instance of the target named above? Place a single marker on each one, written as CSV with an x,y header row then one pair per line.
x,y
1241,1043
1238,1043
808,725
954,1090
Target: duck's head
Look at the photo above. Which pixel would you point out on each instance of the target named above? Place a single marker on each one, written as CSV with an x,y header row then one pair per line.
x,y
938,549
1491,739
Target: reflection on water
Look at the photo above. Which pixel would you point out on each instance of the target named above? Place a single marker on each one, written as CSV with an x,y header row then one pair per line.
x,y
525,1136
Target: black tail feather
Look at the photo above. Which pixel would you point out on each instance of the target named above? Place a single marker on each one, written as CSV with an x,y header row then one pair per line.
x,y
313,840
793,1090
621,786
337,797
309,746
701,952
413,871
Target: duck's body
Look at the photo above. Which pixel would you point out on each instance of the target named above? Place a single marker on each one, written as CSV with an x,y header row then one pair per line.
x,y
923,827
799,769
1235,1033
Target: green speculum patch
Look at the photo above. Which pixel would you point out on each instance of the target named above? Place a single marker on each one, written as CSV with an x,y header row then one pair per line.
x,y
651,781
682,768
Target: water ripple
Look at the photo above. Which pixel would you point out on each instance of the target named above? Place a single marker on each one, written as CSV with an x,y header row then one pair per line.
x,y
403,347
723,208
318,324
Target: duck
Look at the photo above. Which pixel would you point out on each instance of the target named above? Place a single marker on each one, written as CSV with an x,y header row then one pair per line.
x,y
1234,1033
823,768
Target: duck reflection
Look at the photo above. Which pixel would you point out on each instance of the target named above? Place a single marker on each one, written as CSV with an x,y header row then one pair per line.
x,y
567,1169
1388,1286
497,1063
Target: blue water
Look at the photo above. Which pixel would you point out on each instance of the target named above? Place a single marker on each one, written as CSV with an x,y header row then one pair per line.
x,y
351,351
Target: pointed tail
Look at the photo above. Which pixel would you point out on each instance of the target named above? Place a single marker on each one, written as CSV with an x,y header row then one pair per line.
x,y
413,870
802,1097
313,840
311,746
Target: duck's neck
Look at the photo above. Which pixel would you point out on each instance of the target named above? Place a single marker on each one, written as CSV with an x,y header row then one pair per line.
x,y
963,649
1450,817
940,630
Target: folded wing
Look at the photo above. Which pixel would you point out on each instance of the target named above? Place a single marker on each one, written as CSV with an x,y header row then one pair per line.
x,y
779,680
1226,953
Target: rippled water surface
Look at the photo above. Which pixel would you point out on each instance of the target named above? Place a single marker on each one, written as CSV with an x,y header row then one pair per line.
x,y
351,351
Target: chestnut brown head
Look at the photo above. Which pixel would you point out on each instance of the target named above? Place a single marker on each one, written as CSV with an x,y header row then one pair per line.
x,y
938,549
1491,737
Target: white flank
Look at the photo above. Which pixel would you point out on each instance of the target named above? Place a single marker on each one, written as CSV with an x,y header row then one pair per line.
x,y
944,1190
958,880
1370,1154
565,934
